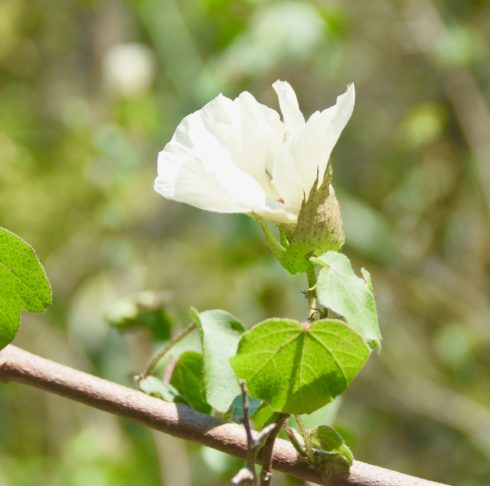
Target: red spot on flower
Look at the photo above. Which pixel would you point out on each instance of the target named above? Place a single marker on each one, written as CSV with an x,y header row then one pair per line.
x,y
281,200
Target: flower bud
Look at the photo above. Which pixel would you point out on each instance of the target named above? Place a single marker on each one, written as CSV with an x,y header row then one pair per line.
x,y
319,228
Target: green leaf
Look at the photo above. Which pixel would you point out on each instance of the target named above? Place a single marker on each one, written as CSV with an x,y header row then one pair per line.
x,y
23,284
146,309
328,440
237,407
263,416
325,415
155,387
220,333
299,367
341,290
187,378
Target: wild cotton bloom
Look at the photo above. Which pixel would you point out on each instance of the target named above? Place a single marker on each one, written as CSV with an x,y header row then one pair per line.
x,y
238,156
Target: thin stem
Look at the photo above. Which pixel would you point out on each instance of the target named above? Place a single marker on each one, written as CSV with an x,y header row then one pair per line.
x,y
305,435
251,445
291,433
276,247
311,292
268,449
158,356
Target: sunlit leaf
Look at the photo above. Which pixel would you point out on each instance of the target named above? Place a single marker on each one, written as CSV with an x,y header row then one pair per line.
x,y
325,415
23,284
298,367
341,290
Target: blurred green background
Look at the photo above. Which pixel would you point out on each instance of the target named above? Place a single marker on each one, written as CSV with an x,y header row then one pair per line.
x,y
91,90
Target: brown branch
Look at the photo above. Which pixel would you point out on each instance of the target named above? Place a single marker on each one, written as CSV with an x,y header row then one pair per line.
x,y
251,443
268,450
178,420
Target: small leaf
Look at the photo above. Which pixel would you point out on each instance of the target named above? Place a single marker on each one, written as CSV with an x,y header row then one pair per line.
x,y
237,407
188,379
327,439
147,309
299,367
151,385
341,290
220,333
23,284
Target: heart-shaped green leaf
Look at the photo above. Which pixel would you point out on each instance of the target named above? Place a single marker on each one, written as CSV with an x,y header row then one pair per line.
x,y
341,290
298,367
220,333
23,284
188,379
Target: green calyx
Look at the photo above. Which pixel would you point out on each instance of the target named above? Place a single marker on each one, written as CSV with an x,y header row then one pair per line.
x,y
319,229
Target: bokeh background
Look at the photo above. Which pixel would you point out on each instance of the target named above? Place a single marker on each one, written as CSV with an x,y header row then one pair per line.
x,y
91,90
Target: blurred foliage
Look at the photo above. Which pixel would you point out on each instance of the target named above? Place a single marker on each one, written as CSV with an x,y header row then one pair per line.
x,y
90,91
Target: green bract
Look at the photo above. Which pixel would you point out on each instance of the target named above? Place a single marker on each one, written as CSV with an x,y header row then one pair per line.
x,y
220,333
298,367
346,294
318,229
23,284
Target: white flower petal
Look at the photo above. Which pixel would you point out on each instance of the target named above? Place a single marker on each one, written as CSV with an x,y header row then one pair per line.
x,y
195,169
307,154
252,134
293,118
222,189
327,127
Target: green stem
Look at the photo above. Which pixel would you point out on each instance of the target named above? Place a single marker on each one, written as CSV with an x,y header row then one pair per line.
x,y
306,437
276,247
158,356
311,292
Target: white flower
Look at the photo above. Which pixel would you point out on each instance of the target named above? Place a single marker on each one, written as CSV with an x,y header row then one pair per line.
x,y
237,156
